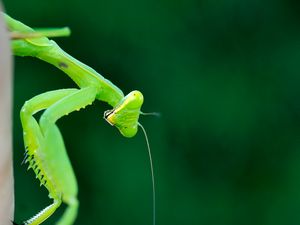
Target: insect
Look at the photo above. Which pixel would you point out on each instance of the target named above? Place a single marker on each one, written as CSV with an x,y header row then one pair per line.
x,y
44,147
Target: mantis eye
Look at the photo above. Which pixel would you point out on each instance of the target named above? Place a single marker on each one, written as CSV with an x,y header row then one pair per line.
x,y
134,100
125,115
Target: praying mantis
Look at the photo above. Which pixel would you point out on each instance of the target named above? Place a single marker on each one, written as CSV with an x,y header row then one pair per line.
x,y
44,146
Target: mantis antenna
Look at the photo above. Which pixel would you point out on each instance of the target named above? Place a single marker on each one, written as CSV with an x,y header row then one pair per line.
x,y
157,114
152,173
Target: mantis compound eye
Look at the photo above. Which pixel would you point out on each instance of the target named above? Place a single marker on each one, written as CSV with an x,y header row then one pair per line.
x,y
125,115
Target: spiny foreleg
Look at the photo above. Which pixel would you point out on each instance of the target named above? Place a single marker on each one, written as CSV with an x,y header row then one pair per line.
x,y
62,171
34,143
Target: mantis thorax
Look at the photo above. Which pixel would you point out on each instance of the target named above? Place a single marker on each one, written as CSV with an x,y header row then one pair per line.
x,y
125,115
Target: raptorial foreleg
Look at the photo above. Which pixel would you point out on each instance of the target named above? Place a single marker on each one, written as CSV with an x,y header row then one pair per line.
x,y
34,142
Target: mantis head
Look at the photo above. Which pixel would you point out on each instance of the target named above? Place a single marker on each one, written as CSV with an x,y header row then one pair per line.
x,y
125,115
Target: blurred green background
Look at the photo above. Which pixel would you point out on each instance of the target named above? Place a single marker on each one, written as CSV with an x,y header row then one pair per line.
x,y
225,77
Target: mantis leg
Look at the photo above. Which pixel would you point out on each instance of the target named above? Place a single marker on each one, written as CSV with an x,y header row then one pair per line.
x,y
75,101
66,105
44,214
32,133
34,141
70,213
62,171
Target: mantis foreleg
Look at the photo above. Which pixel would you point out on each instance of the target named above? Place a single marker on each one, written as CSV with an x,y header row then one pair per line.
x,y
66,181
32,134
46,151
58,164
44,214
75,101
34,144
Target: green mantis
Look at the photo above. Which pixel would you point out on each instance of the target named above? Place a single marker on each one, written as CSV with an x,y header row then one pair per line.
x,y
45,150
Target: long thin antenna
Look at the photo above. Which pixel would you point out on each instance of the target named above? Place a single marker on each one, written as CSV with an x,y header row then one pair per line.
x,y
152,174
150,114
